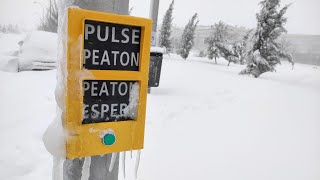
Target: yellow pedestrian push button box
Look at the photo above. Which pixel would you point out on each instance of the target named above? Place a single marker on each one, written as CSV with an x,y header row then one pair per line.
x,y
107,81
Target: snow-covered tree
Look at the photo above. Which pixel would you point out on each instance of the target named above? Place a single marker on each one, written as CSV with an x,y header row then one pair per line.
x,y
240,48
266,52
218,35
228,53
3,29
9,28
49,20
165,31
188,36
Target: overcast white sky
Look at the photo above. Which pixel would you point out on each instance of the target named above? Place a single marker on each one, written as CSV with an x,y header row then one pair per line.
x,y
303,15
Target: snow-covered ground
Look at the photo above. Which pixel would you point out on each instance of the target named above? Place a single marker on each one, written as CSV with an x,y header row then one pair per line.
x,y
204,121
207,122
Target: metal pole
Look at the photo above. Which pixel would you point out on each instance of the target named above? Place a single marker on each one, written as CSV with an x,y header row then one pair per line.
x,y
99,167
50,9
154,8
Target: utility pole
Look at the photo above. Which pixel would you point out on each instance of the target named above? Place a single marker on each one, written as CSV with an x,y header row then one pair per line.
x,y
154,8
50,10
100,165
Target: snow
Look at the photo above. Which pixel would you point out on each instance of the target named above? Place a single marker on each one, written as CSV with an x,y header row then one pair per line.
x,y
27,108
204,121
9,50
113,160
233,127
132,108
9,43
123,162
8,63
104,132
38,51
54,137
136,167
86,168
155,49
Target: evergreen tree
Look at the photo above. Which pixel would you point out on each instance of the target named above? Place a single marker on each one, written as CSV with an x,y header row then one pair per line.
x,y
165,32
219,32
9,28
241,48
1,29
266,52
188,36
227,53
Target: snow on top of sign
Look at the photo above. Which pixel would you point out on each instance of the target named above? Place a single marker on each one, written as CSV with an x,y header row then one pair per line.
x,y
73,7
154,49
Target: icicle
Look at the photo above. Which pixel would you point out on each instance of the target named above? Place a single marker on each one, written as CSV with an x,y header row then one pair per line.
x,y
124,163
131,154
86,168
57,172
113,161
137,164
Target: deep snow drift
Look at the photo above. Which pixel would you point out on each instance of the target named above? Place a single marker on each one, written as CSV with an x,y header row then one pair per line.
x,y
204,121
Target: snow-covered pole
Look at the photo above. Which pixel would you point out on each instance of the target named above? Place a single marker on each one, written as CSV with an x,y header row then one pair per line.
x,y
102,166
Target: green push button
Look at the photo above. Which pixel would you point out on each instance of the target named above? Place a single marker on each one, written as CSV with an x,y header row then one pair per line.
x,y
109,139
